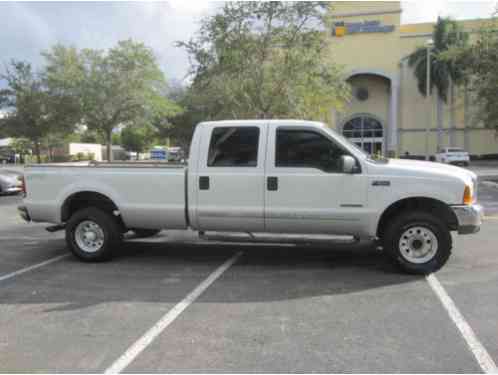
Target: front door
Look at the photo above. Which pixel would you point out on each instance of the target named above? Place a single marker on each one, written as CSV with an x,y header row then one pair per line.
x,y
306,190
230,179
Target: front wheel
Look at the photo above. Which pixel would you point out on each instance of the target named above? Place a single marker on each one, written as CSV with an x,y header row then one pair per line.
x,y
418,242
92,234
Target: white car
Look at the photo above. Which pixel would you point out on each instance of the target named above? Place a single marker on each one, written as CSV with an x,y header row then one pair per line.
x,y
262,177
453,155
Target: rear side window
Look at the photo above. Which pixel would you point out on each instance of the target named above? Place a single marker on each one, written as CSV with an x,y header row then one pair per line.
x,y
307,149
233,147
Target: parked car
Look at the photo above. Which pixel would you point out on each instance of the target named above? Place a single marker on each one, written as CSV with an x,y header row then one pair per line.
x,y
259,177
10,182
453,155
175,154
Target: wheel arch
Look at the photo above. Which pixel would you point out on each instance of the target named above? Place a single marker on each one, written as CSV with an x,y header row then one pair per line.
x,y
425,204
87,198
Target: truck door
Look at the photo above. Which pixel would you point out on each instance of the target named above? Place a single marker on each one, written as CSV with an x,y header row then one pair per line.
x,y
230,179
306,190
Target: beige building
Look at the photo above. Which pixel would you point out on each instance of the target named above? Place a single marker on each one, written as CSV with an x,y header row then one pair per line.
x,y
387,113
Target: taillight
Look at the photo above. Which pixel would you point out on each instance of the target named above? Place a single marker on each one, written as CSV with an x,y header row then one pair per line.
x,y
23,184
467,195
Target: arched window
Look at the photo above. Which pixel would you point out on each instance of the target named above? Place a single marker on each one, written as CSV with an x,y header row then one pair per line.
x,y
366,132
362,127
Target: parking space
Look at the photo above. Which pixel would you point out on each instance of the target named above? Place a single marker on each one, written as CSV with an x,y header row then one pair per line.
x,y
28,247
277,309
471,278
70,316
282,310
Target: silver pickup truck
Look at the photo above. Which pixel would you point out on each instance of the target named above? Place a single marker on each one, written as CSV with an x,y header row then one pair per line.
x,y
266,176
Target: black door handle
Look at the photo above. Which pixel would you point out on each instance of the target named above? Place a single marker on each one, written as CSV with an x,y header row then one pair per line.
x,y
204,183
272,183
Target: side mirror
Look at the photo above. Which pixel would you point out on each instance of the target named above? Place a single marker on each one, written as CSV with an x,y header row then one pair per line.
x,y
348,164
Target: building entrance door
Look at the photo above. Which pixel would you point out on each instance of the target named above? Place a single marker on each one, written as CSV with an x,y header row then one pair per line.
x,y
366,132
372,146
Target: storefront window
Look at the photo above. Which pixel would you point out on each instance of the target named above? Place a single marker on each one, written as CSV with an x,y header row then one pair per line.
x,y
366,132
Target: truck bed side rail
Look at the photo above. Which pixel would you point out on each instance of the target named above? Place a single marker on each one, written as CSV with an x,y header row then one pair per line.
x,y
113,164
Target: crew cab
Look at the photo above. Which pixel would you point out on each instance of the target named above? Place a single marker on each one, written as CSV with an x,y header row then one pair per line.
x,y
453,155
262,177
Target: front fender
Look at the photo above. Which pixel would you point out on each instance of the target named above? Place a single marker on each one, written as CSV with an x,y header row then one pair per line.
x,y
378,216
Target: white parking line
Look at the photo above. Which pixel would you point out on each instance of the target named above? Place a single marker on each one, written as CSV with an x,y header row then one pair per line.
x,y
134,350
478,350
33,267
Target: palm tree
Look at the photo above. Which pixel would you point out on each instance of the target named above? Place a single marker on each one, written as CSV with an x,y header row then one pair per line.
x,y
445,73
447,34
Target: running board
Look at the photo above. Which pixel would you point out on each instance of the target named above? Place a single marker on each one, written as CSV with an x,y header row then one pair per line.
x,y
277,238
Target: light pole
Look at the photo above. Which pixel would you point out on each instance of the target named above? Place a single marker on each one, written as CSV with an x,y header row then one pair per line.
x,y
428,124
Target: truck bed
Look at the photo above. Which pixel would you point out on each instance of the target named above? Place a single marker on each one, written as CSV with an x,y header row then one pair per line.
x,y
147,195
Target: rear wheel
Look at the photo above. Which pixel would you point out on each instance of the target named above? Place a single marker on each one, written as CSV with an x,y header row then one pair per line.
x,y
92,234
144,233
418,242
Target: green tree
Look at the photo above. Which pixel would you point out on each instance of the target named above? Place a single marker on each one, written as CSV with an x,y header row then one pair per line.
x,y
33,109
180,128
21,146
89,136
481,74
484,83
116,137
447,34
138,138
114,87
263,60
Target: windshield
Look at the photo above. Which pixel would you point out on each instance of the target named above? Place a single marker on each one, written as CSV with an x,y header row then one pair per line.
x,y
343,139
455,150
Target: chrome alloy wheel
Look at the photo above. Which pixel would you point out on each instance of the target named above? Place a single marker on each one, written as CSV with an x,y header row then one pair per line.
x,y
89,236
418,245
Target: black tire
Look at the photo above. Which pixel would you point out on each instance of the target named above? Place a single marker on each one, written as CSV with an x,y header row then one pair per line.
x,y
144,233
112,234
399,226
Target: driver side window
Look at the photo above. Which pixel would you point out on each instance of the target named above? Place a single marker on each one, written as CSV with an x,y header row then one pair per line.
x,y
307,149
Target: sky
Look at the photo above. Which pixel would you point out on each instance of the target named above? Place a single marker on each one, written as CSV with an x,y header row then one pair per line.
x,y
26,28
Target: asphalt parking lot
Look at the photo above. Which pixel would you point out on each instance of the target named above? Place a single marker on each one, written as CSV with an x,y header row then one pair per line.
x,y
269,309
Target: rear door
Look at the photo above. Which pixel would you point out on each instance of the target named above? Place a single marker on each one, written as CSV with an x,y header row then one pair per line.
x,y
306,190
230,180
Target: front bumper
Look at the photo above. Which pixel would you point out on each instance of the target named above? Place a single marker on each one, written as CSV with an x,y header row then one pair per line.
x,y
469,218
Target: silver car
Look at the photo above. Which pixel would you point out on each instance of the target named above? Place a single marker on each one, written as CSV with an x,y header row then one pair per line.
x,y
10,182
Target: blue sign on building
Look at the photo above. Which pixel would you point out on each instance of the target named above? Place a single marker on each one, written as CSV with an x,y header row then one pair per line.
x,y
158,154
360,27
